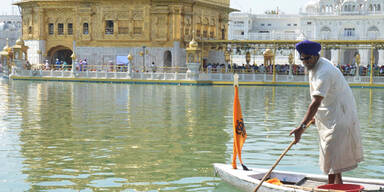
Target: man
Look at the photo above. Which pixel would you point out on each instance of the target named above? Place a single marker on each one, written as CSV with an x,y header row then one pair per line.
x,y
334,110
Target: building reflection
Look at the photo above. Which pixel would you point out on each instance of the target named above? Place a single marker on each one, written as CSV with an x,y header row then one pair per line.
x,y
80,136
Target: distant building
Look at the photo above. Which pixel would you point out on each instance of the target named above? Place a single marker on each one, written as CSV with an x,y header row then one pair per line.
x,y
246,26
319,20
104,30
10,28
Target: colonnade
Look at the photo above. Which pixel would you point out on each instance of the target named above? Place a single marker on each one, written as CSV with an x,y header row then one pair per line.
x,y
365,56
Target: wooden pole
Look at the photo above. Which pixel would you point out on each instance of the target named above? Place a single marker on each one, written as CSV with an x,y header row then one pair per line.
x,y
277,162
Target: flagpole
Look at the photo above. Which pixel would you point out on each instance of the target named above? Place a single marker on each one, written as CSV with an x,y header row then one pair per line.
x,y
236,80
239,133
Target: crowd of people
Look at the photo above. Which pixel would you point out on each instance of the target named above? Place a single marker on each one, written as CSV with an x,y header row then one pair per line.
x,y
283,69
246,68
351,70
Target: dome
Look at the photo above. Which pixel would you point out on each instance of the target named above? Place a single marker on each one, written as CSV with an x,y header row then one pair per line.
x,y
6,48
312,4
20,42
349,1
268,52
193,44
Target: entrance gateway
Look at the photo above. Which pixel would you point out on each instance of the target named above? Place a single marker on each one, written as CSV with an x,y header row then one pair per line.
x,y
60,52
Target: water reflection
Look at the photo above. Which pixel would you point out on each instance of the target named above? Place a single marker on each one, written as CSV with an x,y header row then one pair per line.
x,y
94,136
80,136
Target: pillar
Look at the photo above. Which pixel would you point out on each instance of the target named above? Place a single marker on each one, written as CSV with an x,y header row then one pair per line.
x,y
381,57
335,56
365,57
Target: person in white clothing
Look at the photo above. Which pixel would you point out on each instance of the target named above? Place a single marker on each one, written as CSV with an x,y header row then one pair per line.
x,y
334,112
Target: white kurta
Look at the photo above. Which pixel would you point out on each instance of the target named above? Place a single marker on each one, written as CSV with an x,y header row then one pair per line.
x,y
336,119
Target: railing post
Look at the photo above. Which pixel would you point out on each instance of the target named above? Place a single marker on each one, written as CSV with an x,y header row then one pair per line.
x,y
372,70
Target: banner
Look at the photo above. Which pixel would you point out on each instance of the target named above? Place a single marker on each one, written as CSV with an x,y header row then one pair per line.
x,y
239,133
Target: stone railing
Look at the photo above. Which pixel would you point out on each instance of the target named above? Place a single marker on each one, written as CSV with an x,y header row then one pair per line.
x,y
176,76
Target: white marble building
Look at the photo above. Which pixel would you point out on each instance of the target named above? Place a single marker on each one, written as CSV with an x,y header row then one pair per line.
x,y
10,28
320,20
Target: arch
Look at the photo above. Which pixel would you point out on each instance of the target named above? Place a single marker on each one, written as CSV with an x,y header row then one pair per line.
x,y
167,59
373,32
325,32
60,52
373,28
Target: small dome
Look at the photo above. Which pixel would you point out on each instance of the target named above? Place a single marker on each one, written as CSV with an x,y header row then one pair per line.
x,y
312,4
193,44
6,48
268,52
349,1
20,42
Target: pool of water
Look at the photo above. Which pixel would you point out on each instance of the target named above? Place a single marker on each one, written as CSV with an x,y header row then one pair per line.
x,y
57,136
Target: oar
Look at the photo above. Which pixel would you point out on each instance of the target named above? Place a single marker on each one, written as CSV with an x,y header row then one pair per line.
x,y
278,160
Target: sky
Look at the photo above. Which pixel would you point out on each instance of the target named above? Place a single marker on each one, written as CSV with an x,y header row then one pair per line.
x,y
253,6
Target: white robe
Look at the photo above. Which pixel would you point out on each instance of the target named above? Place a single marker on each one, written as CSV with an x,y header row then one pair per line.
x,y
336,119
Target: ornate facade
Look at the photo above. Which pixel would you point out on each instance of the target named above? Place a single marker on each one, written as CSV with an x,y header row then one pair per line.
x,y
349,20
104,30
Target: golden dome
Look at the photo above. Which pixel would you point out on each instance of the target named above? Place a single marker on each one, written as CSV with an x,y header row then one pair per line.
x,y
20,42
193,44
6,48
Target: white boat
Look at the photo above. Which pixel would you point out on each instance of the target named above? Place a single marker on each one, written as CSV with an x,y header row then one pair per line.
x,y
292,181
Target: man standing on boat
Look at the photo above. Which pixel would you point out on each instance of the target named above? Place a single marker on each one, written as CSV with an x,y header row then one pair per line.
x,y
334,109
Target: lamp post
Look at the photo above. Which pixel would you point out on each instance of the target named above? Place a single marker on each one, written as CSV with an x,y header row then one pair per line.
x,y
129,63
73,57
144,58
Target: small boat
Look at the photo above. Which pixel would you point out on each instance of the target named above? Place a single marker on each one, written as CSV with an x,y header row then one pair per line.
x,y
292,181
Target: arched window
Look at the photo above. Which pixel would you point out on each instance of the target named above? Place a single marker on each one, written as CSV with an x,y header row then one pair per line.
x,y
85,29
373,33
325,33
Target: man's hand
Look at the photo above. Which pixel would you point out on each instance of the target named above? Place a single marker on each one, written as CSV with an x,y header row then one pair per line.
x,y
298,131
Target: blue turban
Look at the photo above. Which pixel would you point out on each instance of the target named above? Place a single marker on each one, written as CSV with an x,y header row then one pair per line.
x,y
308,47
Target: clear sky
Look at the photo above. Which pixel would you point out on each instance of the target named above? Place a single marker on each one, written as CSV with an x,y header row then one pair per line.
x,y
256,6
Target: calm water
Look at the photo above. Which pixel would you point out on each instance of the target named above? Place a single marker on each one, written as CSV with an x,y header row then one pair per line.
x,y
58,136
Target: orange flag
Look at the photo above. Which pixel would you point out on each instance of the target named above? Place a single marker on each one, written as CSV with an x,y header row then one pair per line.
x,y
239,133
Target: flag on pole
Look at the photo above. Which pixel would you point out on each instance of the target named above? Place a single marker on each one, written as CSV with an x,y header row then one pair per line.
x,y
239,133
